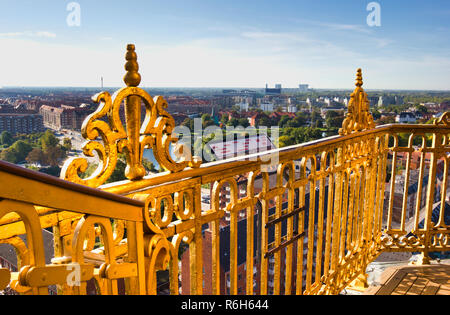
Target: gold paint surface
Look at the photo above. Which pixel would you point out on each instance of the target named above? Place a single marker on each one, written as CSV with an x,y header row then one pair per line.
x,y
339,184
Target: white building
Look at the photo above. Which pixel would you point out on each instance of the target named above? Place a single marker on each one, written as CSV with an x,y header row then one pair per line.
x,y
303,87
267,107
243,107
406,118
292,109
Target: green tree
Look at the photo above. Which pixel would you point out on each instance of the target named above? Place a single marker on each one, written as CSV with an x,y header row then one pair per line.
x,y
52,170
53,155
67,144
334,119
243,122
6,138
119,172
9,155
22,149
207,121
283,121
233,122
376,115
286,141
264,120
188,122
297,122
422,109
36,156
292,136
316,118
48,139
149,166
224,119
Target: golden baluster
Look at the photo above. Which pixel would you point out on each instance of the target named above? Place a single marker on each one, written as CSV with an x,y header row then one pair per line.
x,y
135,170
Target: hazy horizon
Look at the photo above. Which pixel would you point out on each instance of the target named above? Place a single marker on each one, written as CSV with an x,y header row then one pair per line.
x,y
215,88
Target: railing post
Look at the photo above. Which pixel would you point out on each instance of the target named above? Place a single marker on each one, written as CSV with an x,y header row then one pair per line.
x,y
135,233
135,169
437,142
196,248
337,210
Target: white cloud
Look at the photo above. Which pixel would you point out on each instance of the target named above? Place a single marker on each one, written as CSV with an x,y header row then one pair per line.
x,y
16,34
354,28
30,62
46,34
29,34
346,27
249,59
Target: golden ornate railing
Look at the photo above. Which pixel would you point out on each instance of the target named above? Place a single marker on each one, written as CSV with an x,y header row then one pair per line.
x,y
310,224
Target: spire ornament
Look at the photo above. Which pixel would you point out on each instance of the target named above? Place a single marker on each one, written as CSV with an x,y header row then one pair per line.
x,y
132,78
358,117
155,133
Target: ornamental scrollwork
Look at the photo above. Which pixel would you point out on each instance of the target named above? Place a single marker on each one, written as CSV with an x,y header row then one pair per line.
x,y
444,120
107,136
358,117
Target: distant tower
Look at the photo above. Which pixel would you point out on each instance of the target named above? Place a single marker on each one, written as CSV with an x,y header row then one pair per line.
x,y
102,82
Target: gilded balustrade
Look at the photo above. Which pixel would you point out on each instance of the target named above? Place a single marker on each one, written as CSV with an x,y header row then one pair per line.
x,y
322,211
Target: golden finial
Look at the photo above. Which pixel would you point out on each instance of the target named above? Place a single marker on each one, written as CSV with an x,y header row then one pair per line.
x,y
359,79
132,78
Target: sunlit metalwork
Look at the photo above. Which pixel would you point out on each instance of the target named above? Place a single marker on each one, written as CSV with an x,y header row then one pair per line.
x,y
155,133
324,211
359,117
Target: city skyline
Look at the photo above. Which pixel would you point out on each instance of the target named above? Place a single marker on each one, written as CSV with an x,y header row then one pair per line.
x,y
215,44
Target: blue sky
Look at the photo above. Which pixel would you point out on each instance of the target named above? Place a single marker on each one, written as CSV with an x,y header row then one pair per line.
x,y
210,43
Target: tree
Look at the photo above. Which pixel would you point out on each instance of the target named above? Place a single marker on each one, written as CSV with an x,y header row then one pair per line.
x,y
6,138
207,121
387,120
9,155
334,119
53,155
291,136
331,114
243,122
22,150
422,109
149,166
67,144
297,122
283,121
119,172
233,122
264,120
376,115
286,141
52,170
224,119
36,156
188,122
316,119
48,139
